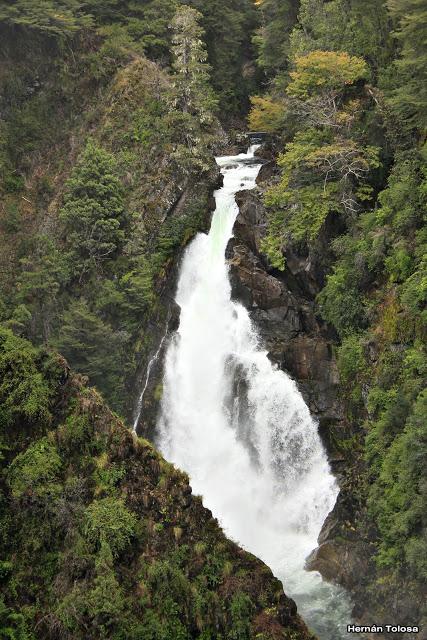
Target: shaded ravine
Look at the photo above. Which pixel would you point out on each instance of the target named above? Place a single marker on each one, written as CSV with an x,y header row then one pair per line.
x,y
239,426
154,358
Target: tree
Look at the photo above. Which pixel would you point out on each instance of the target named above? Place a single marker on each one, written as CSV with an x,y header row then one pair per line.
x,y
93,212
409,97
272,39
43,276
359,27
228,29
194,94
266,114
53,17
324,71
324,169
93,348
24,394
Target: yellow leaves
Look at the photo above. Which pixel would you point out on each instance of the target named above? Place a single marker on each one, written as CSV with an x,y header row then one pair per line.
x,y
102,460
320,71
266,114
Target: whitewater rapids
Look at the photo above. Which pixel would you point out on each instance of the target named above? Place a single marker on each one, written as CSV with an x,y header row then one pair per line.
x,y
239,426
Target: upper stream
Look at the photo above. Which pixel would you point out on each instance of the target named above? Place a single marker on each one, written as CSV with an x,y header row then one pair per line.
x,y
239,426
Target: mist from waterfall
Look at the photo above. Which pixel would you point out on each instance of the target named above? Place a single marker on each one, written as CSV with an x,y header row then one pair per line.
x,y
239,426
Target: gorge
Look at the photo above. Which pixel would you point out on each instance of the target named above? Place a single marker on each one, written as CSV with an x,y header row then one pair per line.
x,y
259,320
239,426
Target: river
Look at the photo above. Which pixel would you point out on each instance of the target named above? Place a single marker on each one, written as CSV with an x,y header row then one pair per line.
x,y
239,426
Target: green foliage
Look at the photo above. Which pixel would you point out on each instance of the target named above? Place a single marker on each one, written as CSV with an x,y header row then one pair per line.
x,y
403,203
193,92
24,391
96,269
398,500
89,246
108,475
35,470
359,28
351,360
123,567
352,368
137,286
93,213
340,302
228,30
375,290
319,178
272,245
150,24
13,183
74,433
383,257
109,522
241,608
93,347
303,210
325,168
408,96
42,277
272,38
12,624
52,17
265,114
106,600
322,71
102,605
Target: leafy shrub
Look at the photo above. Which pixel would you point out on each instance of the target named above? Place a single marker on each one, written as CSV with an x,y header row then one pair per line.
x,y
24,391
241,609
340,302
266,114
108,521
36,470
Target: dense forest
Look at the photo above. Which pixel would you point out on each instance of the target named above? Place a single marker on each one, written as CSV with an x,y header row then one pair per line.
x,y
111,114
346,101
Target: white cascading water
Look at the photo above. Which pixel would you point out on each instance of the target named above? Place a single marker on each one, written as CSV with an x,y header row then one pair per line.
x,y
239,426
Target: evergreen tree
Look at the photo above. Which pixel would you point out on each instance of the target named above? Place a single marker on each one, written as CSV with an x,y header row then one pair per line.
x,y
44,274
93,213
194,94
357,27
272,40
409,98
52,17
93,348
228,32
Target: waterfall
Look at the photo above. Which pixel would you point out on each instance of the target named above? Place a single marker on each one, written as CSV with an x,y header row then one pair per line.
x,y
239,426
151,363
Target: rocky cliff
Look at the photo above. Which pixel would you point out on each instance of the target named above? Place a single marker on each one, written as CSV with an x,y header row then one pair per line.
x,y
283,308
281,305
102,538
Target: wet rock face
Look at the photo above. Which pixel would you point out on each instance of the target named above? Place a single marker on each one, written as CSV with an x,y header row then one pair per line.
x,y
164,320
281,305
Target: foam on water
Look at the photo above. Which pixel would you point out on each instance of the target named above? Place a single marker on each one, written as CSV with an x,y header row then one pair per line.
x,y
239,426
